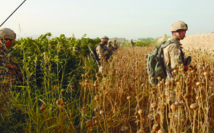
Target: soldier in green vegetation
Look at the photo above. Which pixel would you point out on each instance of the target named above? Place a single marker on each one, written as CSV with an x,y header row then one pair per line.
x,y
173,54
9,70
103,54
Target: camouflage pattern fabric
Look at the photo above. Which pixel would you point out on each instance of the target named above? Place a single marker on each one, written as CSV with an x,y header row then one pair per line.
x,y
110,47
115,46
102,51
7,77
173,57
103,55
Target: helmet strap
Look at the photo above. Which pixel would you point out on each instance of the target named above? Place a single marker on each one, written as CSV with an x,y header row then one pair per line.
x,y
178,36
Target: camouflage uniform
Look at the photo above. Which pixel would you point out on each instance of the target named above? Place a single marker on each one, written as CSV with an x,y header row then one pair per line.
x,y
8,75
115,45
173,54
173,58
103,54
109,46
132,43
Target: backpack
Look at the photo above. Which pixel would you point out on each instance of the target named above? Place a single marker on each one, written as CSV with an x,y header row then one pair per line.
x,y
155,64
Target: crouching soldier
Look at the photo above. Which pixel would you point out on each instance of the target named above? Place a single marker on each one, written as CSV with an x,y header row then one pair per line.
x,y
103,54
9,70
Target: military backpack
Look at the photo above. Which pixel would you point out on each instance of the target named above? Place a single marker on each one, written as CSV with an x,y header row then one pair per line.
x,y
155,64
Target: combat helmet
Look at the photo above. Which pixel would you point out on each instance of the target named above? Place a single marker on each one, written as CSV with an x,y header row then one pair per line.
x,y
7,33
104,39
109,41
179,25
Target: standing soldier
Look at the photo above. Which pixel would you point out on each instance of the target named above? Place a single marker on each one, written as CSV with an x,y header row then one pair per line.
x,y
132,43
115,45
173,54
103,54
9,70
109,46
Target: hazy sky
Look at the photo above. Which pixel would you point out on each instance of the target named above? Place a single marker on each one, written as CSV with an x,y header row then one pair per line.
x,y
131,19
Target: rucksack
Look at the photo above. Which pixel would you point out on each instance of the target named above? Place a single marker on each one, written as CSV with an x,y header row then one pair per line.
x,y
155,64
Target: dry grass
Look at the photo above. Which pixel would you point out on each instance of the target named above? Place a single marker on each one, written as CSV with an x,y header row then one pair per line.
x,y
123,100
203,41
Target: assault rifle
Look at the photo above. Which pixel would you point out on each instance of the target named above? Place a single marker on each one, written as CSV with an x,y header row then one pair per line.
x,y
94,56
12,13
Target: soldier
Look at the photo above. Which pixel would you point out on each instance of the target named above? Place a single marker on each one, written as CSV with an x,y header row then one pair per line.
x,y
115,45
103,54
9,70
132,43
173,54
109,46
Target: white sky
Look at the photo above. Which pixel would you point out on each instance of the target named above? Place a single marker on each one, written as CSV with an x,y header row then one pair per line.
x,y
131,19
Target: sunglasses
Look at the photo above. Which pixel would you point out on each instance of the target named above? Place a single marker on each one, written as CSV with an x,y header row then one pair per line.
x,y
8,39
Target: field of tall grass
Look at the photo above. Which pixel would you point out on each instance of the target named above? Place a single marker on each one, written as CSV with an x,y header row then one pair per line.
x,y
63,92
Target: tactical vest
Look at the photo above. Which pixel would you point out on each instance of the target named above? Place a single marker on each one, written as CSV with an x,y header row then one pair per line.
x,y
6,76
168,68
110,52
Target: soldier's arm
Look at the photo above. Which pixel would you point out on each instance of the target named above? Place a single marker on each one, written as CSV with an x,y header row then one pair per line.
x,y
175,55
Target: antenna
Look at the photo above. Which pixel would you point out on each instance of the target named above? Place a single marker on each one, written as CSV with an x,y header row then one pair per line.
x,y
12,13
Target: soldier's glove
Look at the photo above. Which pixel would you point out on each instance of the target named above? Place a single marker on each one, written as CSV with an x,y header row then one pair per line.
x,y
187,61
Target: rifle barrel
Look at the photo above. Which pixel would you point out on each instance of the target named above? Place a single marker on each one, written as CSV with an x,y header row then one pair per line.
x,y
12,13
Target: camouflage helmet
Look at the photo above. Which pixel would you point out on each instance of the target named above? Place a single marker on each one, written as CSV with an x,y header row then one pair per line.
x,y
179,25
7,33
104,39
109,41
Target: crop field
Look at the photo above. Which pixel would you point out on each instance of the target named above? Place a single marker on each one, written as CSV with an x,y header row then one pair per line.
x,y
199,41
62,91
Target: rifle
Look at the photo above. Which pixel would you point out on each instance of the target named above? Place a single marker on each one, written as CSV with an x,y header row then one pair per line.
x,y
12,13
93,56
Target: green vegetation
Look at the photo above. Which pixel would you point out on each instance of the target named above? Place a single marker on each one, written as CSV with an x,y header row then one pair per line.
x,y
143,43
49,67
52,97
